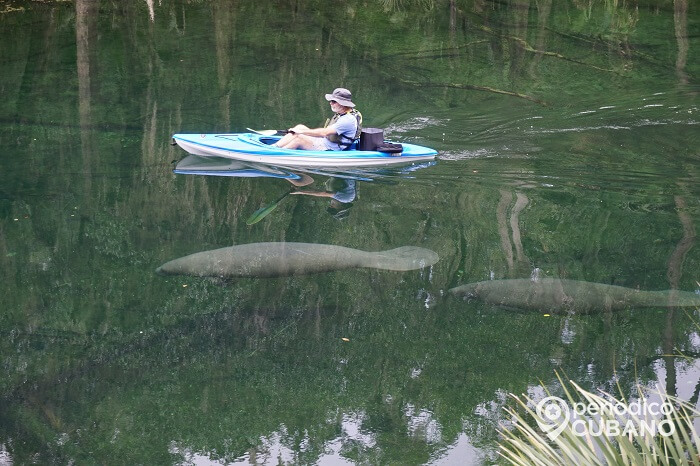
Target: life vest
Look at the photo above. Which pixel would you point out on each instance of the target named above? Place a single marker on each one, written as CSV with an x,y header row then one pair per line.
x,y
342,140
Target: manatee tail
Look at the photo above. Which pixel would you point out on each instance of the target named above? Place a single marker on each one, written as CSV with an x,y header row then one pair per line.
x,y
670,298
402,259
464,290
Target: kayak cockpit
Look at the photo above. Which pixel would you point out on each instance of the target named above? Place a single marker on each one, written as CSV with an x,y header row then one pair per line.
x,y
268,140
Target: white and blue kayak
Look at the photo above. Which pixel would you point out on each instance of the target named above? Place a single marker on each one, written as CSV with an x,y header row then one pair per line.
x,y
251,147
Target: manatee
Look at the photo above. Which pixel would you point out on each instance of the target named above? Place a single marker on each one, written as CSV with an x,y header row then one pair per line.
x,y
555,295
285,259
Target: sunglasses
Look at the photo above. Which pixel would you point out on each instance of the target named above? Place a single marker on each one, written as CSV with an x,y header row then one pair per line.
x,y
333,102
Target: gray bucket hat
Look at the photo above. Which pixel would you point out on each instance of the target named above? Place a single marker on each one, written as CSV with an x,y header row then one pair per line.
x,y
342,96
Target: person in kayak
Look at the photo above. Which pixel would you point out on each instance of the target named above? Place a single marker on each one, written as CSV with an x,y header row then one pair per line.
x,y
338,133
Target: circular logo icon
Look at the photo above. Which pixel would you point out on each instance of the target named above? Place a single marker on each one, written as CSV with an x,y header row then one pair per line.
x,y
552,415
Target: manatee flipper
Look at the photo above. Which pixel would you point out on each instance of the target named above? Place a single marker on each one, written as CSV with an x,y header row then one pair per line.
x,y
402,259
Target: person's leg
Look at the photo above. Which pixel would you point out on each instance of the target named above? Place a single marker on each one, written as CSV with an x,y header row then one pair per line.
x,y
301,141
290,136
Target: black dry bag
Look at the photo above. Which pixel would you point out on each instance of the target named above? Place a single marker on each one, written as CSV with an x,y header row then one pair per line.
x,y
390,148
371,138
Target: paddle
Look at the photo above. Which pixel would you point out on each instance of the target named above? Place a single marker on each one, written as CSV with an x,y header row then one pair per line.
x,y
268,132
262,212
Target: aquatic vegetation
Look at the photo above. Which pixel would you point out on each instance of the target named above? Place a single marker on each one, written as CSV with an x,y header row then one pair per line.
x,y
675,441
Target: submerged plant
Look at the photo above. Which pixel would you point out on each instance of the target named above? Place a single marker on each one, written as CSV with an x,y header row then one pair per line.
x,y
601,429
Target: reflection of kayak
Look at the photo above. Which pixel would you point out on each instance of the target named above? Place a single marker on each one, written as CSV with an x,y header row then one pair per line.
x,y
249,147
216,166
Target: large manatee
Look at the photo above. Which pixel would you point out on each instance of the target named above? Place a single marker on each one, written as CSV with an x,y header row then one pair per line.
x,y
284,259
560,295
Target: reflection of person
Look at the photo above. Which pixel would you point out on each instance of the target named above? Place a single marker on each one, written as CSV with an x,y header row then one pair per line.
x,y
338,134
341,193
302,179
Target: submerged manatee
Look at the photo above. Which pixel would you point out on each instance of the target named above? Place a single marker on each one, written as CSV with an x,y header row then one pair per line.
x,y
561,295
284,259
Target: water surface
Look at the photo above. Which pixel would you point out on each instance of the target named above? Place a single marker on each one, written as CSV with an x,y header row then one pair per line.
x,y
568,147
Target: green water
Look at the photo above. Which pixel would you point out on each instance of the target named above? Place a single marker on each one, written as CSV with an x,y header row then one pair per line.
x,y
586,168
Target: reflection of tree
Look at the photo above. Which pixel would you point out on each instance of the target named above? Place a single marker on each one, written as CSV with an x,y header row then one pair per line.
x,y
519,264
224,33
680,20
675,271
151,10
85,37
686,243
226,378
501,213
544,9
453,21
521,13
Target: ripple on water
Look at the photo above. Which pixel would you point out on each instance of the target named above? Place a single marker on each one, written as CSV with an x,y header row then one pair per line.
x,y
468,154
414,124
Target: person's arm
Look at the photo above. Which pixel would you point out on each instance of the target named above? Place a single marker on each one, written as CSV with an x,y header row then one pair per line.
x,y
313,193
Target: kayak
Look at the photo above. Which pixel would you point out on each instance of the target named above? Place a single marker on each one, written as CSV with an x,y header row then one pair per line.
x,y
250,147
